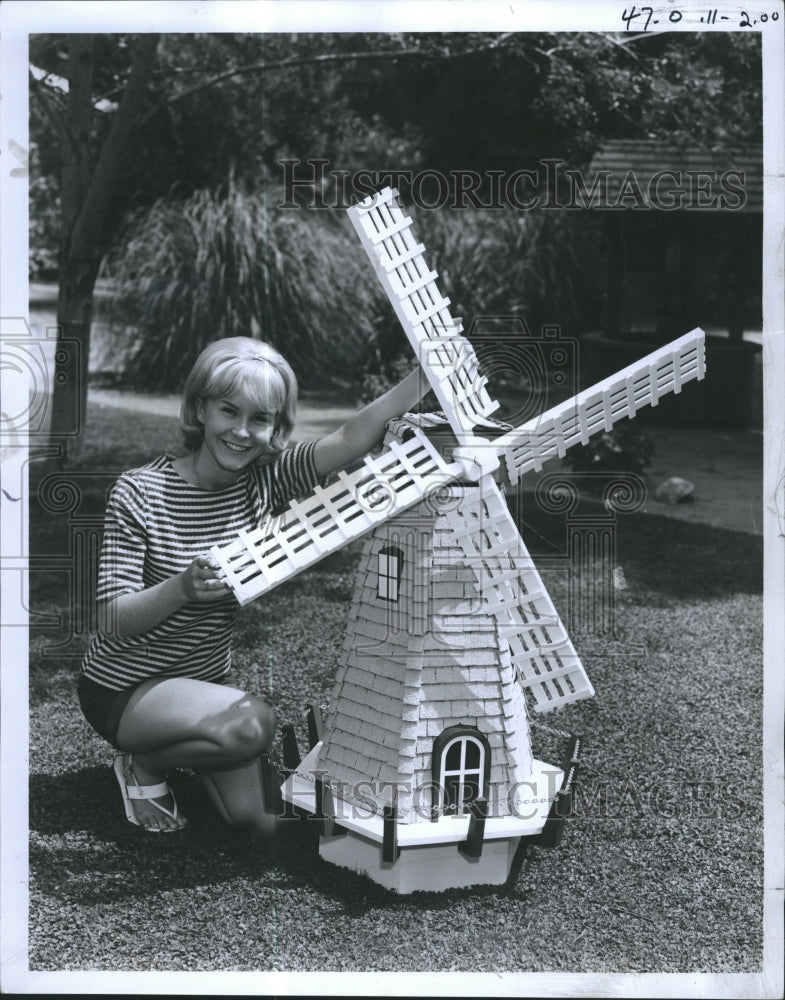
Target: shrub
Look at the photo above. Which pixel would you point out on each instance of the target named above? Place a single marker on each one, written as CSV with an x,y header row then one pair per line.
x,y
230,263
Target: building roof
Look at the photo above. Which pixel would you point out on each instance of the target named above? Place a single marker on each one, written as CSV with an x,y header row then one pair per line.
x,y
649,173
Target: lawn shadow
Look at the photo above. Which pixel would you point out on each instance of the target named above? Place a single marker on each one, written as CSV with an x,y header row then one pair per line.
x,y
83,846
668,558
84,850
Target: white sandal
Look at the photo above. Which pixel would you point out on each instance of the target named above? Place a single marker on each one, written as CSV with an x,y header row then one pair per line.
x,y
148,792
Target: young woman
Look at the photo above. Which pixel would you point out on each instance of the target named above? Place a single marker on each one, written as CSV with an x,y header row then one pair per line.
x,y
153,681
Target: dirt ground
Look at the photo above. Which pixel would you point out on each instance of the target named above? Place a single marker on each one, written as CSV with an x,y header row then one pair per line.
x,y
726,468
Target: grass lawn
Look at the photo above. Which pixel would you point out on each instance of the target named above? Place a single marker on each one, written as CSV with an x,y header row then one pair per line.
x,y
661,865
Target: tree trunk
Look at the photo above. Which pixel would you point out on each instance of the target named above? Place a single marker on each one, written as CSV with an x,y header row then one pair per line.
x,y
85,196
76,272
74,319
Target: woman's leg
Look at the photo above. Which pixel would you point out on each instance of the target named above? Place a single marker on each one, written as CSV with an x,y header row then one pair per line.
x,y
216,730
238,795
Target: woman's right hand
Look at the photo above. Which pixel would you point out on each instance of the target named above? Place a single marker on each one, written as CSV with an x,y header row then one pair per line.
x,y
203,580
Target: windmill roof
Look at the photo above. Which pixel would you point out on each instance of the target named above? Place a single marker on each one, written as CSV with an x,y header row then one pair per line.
x,y
406,677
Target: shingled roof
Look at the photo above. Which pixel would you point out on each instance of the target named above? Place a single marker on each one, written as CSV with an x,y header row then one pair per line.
x,y
730,178
412,669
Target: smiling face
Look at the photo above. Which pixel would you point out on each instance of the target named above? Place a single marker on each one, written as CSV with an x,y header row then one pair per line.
x,y
238,429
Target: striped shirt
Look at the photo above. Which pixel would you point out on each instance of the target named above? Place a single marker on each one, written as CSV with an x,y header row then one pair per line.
x,y
156,524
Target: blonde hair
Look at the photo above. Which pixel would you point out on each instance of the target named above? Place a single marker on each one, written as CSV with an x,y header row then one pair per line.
x,y
242,363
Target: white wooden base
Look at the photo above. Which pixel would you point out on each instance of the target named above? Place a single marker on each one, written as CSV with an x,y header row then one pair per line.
x,y
429,858
430,867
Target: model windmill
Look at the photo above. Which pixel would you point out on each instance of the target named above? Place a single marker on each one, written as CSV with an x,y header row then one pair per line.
x,y
423,771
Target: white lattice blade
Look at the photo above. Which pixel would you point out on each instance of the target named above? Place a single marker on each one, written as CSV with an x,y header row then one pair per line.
x,y
513,592
383,486
447,358
598,408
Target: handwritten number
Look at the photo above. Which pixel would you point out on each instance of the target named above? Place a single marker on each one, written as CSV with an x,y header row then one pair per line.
x,y
629,17
633,13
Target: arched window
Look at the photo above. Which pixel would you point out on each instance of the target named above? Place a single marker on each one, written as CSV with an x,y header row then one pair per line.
x,y
461,767
390,569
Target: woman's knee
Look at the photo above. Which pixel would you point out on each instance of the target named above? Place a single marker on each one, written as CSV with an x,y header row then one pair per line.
x,y
247,731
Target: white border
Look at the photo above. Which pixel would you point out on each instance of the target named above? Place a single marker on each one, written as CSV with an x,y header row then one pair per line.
x,y
17,19
14,764
773,500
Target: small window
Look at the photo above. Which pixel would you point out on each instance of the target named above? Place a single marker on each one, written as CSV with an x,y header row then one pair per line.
x,y
461,768
390,569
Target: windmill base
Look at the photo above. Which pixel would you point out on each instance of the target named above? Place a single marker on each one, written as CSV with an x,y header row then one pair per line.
x,y
425,867
436,855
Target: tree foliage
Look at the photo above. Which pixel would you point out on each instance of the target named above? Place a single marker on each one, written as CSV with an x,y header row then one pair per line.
x,y
243,102
119,122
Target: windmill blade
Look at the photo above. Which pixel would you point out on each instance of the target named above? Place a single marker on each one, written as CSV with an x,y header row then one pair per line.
x,y
447,358
513,592
383,486
600,407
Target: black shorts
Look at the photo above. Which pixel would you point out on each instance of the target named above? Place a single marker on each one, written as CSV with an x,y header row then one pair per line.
x,y
103,707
